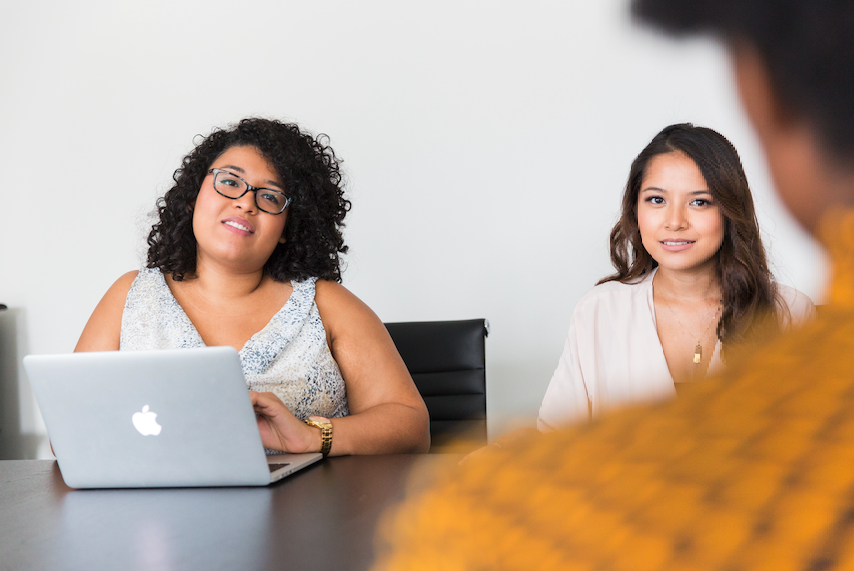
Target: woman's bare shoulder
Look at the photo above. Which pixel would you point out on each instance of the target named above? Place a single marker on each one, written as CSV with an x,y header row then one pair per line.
x,y
118,292
103,330
343,312
125,280
334,295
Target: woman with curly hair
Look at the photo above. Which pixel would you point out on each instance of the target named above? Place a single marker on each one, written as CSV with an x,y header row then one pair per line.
x,y
245,253
692,282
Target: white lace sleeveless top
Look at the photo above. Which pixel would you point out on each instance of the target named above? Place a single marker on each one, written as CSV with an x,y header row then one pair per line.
x,y
289,357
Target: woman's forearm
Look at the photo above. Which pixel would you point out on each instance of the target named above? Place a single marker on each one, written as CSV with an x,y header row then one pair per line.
x,y
389,428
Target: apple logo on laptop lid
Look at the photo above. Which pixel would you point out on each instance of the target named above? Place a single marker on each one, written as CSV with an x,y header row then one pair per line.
x,y
145,422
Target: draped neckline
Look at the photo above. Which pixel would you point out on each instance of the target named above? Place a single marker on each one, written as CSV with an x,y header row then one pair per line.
x,y
262,348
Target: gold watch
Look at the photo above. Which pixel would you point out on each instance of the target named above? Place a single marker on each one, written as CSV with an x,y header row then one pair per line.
x,y
325,427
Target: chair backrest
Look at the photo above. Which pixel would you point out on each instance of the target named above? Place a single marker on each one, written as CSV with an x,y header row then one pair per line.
x,y
447,361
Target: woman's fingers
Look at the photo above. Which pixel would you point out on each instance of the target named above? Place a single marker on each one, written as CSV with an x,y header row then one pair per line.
x,y
279,428
267,403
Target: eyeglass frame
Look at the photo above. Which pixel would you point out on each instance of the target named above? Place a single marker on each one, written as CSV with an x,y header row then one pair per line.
x,y
249,187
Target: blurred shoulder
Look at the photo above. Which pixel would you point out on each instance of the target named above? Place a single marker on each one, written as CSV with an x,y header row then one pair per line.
x,y
800,307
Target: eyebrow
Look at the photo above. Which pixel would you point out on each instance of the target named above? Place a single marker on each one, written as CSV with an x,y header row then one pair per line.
x,y
241,171
656,189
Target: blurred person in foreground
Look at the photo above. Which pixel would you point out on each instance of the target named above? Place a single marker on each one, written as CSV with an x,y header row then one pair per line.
x,y
751,471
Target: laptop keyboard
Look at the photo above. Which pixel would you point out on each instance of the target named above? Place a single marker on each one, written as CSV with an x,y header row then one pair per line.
x,y
274,467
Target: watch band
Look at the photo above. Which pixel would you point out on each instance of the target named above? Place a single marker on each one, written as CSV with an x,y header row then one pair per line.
x,y
325,427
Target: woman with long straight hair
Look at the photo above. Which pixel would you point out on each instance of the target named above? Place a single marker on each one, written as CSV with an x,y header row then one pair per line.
x,y
692,282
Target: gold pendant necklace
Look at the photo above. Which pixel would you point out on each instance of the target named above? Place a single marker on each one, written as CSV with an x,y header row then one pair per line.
x,y
698,350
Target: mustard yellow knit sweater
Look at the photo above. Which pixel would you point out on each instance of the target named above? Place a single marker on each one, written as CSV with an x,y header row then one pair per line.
x,y
751,471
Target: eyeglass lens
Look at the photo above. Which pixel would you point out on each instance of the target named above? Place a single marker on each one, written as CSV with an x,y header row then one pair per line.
x,y
266,199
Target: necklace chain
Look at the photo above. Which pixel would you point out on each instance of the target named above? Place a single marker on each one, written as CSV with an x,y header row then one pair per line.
x,y
698,350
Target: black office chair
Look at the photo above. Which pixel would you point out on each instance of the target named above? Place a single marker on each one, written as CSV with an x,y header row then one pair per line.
x,y
447,361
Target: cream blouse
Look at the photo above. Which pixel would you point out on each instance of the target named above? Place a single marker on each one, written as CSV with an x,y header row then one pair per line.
x,y
613,357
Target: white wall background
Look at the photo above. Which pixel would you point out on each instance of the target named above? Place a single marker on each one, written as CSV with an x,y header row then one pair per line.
x,y
485,143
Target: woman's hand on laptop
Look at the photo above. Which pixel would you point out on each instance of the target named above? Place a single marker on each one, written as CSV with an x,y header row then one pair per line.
x,y
280,429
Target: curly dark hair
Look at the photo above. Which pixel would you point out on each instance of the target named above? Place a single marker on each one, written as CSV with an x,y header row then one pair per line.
x,y
807,46
750,298
311,174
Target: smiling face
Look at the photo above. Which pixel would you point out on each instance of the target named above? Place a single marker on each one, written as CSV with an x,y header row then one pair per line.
x,y
681,227
235,231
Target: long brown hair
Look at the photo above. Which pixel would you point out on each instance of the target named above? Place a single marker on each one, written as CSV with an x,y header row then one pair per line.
x,y
750,301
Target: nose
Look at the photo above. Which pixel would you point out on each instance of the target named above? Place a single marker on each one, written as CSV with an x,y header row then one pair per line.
x,y
246,203
676,217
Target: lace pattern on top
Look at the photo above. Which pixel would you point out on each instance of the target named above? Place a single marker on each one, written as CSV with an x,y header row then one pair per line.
x,y
288,357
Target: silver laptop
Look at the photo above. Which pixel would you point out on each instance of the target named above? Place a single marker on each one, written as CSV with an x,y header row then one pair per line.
x,y
143,419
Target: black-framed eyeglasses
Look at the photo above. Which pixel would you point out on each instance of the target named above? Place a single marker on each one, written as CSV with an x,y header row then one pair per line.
x,y
232,186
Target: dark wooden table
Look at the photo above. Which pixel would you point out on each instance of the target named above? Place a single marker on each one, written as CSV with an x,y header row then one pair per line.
x,y
322,518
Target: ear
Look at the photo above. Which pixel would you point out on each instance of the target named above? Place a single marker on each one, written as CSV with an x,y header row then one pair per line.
x,y
799,165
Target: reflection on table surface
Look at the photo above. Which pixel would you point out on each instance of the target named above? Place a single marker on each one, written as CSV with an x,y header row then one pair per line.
x,y
321,517
214,527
